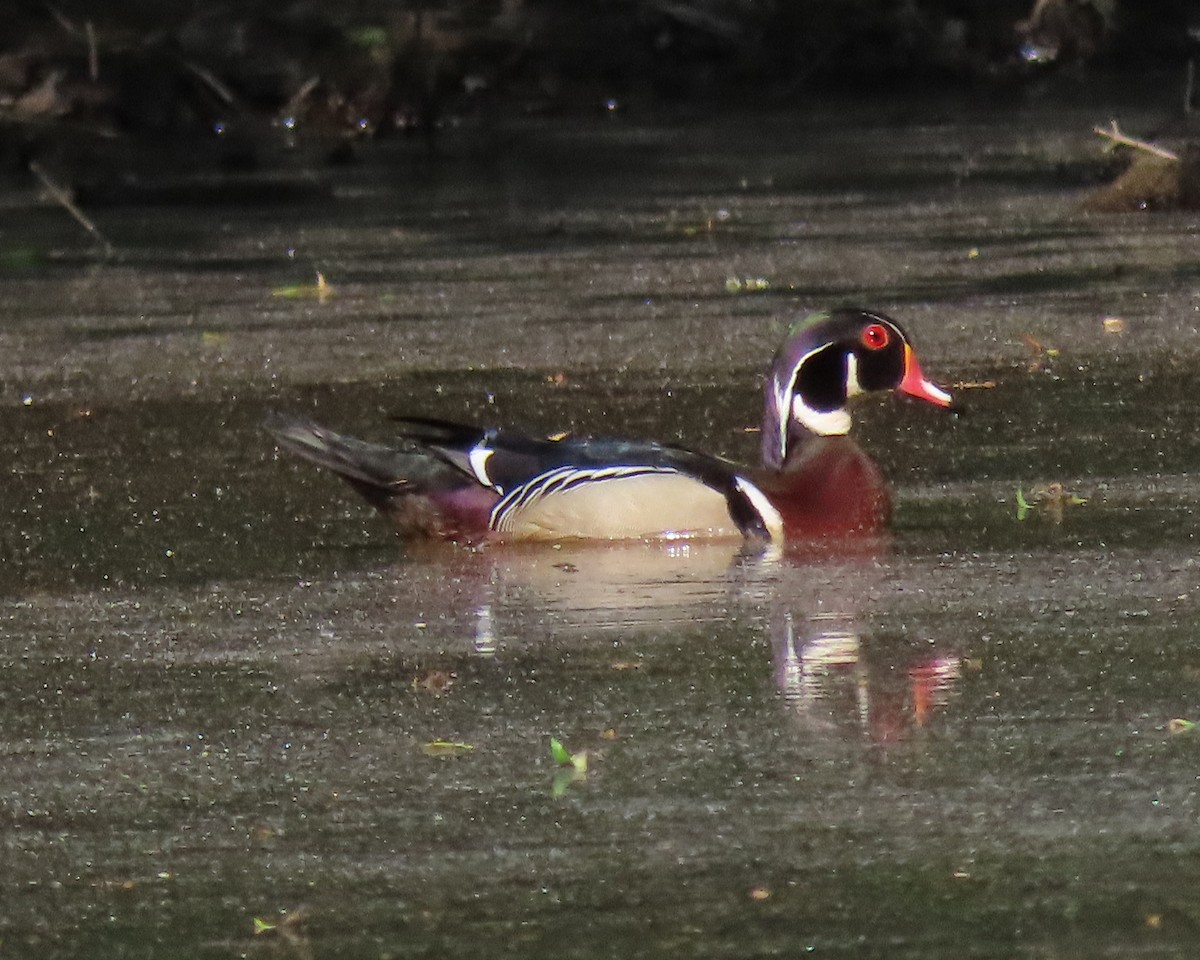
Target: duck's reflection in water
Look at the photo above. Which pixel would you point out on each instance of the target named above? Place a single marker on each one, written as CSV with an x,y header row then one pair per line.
x,y
837,679
842,660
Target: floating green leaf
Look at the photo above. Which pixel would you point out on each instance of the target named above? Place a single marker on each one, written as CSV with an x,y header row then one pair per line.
x,y
262,926
564,758
1023,505
319,291
561,755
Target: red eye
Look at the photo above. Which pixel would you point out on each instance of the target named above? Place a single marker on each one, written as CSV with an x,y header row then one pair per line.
x,y
876,337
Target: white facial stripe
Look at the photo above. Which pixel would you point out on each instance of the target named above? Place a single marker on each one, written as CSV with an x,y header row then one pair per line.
x,y
853,387
783,392
771,517
787,404
478,458
824,423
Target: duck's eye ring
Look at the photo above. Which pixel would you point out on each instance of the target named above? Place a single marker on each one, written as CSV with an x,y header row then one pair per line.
x,y
876,337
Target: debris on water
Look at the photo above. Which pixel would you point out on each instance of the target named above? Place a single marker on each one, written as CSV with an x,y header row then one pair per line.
x,y
974,385
746,284
1051,499
1040,354
446,748
1114,325
435,682
288,928
1157,178
1179,725
320,291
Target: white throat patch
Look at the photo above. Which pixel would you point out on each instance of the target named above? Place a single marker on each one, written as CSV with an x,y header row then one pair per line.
x,y
824,423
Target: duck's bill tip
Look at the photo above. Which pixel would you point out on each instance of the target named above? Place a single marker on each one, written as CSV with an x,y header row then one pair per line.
x,y
928,391
916,385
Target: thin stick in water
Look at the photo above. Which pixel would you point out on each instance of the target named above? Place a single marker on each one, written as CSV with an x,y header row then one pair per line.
x,y
63,199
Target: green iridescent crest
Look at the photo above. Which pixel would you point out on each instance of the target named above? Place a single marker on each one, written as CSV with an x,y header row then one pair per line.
x,y
810,321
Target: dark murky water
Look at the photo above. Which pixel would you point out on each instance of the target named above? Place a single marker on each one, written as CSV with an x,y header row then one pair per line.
x,y
220,675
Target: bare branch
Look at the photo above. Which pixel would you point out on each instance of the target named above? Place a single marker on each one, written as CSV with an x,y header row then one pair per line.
x,y
1118,139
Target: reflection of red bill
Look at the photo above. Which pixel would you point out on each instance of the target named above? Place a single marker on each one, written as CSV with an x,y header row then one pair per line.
x,y
915,384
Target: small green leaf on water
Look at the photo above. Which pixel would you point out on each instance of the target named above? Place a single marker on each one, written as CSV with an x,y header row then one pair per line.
x,y
319,291
561,755
446,748
1023,505
1179,725
565,758
262,926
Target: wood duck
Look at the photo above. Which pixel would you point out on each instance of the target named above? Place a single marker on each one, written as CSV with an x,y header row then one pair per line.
x,y
469,484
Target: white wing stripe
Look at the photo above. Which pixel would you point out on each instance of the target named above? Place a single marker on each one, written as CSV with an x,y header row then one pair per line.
x,y
771,518
560,480
478,457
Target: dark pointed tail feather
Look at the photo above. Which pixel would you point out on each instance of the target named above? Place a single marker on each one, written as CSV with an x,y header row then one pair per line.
x,y
443,433
374,470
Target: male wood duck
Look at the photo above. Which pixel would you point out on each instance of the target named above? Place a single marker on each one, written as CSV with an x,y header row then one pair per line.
x,y
469,484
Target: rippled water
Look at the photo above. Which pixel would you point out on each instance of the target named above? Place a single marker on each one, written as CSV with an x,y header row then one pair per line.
x,y
221,676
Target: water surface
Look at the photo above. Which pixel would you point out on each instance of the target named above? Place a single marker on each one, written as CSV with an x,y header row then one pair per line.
x,y
221,675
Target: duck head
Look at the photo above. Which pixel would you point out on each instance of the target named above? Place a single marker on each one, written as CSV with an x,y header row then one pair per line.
x,y
826,361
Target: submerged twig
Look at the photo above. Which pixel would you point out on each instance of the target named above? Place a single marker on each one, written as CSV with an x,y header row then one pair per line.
x,y
1119,139
63,199
296,100
93,51
62,20
209,79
